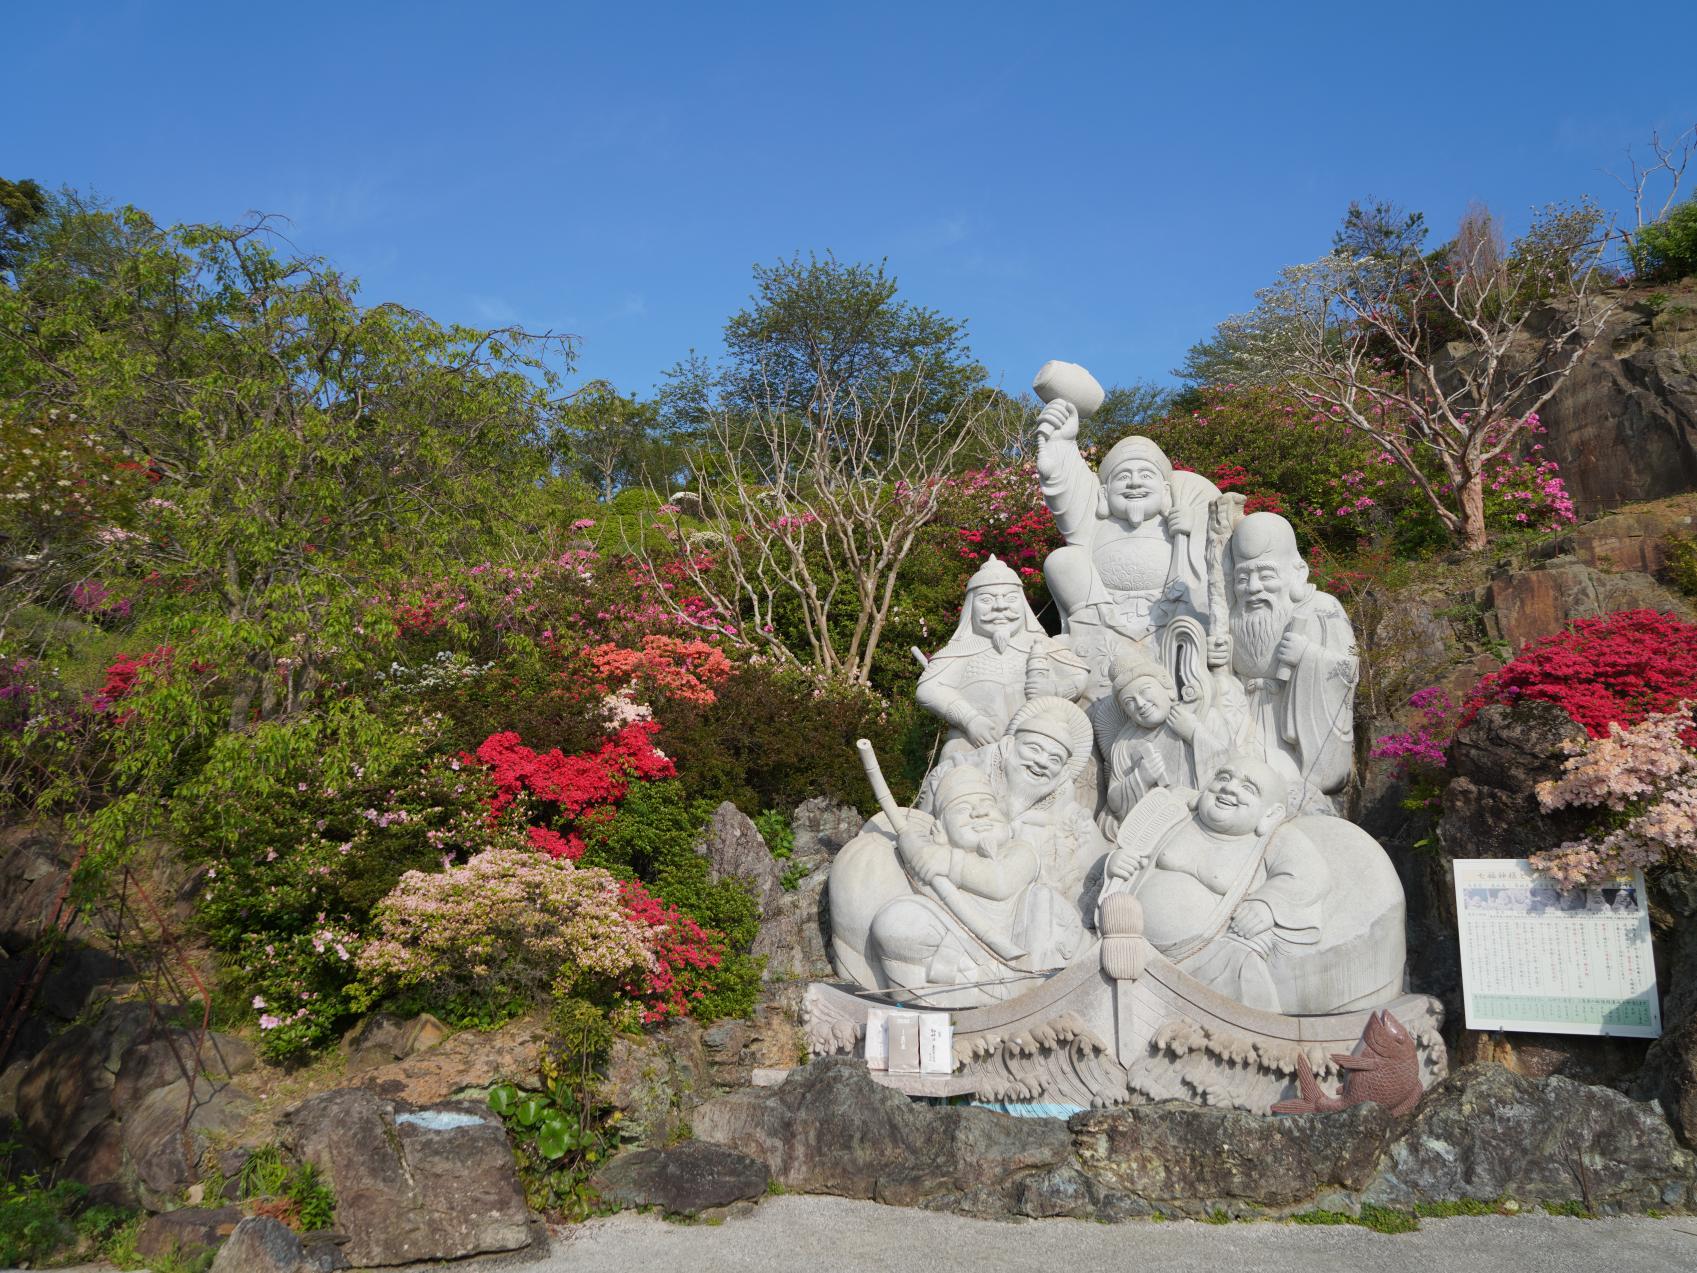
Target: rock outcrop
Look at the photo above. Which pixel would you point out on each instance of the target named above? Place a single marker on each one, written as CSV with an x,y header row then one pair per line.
x,y
411,1184
1624,424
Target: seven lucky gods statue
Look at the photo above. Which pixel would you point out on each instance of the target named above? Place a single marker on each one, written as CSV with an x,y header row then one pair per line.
x,y
1126,878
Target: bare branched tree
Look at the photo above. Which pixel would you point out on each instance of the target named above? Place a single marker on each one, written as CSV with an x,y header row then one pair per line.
x,y
1441,358
1668,161
810,518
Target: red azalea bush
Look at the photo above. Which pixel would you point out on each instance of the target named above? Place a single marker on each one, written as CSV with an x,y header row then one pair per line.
x,y
1616,669
685,955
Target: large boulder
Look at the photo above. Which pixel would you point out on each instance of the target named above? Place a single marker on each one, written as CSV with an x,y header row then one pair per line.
x,y
1486,1133
795,931
264,1245
1524,605
1496,762
1623,426
65,1091
829,1128
158,1059
654,1079
822,826
686,1179
411,1184
187,1233
1183,1159
734,847
167,1133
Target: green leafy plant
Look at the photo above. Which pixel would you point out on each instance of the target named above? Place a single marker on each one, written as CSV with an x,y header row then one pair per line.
x,y
774,827
558,1141
36,1218
268,1173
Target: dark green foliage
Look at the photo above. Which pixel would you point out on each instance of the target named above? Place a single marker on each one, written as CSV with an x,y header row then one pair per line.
x,y
776,738
36,1219
652,837
1666,250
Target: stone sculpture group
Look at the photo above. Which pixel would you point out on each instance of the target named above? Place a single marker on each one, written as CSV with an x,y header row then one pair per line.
x,y
1169,761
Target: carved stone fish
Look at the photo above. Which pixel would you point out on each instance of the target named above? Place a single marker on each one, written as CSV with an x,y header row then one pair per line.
x,y
1387,1072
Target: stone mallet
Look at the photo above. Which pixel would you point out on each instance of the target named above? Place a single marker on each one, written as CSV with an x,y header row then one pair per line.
x,y
1068,382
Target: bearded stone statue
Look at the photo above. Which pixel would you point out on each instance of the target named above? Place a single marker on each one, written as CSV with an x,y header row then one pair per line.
x,y
977,681
1294,649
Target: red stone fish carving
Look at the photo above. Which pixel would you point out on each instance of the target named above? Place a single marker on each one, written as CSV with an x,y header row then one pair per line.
x,y
1387,1072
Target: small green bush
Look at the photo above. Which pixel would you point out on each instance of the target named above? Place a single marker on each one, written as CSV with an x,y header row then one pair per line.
x,y
36,1218
1666,251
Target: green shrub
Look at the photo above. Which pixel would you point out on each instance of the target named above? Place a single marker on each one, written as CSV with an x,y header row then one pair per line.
x,y
36,1218
510,926
652,838
1680,551
303,827
1667,250
776,738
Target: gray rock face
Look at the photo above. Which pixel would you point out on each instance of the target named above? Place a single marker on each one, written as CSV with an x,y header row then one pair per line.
x,y
1524,605
829,1128
161,1152
411,1184
733,847
822,826
684,1180
187,1233
1497,761
1487,1133
263,1245
65,1091
1192,1160
795,931
654,1079
1624,425
157,1060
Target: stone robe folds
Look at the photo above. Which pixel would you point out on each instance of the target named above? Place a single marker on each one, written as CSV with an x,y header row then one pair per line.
x,y
1306,722
1194,885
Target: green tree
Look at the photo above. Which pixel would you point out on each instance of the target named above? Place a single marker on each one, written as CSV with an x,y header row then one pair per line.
x,y
23,205
305,451
612,441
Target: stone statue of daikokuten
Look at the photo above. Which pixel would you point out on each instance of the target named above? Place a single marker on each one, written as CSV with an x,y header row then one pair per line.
x,y
977,681
1134,529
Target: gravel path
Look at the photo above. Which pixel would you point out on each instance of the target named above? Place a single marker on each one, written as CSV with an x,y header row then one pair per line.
x,y
792,1234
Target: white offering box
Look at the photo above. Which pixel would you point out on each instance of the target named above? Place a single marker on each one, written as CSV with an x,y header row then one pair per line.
x,y
936,1043
877,1038
903,1046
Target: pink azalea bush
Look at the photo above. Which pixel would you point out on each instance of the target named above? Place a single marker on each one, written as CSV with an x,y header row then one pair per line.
x,y
1643,778
508,925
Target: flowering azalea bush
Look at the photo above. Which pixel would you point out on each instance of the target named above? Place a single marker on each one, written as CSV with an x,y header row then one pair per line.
x,y
508,925
1643,779
1614,670
1422,745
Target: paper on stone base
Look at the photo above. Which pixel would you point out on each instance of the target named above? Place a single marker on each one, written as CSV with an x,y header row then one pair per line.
x,y
1539,960
877,1046
936,1044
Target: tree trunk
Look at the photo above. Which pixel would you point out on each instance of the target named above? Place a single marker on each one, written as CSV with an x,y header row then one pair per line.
x,y
1473,511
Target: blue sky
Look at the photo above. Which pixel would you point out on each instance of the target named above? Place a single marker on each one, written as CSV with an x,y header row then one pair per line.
x,y
1100,183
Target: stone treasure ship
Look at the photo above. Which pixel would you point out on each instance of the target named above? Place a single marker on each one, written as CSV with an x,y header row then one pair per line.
x,y
1125,878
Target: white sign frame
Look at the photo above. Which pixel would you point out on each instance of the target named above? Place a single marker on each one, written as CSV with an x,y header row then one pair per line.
x,y
1537,960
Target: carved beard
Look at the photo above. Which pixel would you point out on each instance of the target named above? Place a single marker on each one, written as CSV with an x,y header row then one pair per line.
x,y
1255,636
1024,790
1001,636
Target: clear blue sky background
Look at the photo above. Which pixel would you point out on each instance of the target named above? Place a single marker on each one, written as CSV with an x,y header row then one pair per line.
x,y
1101,183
